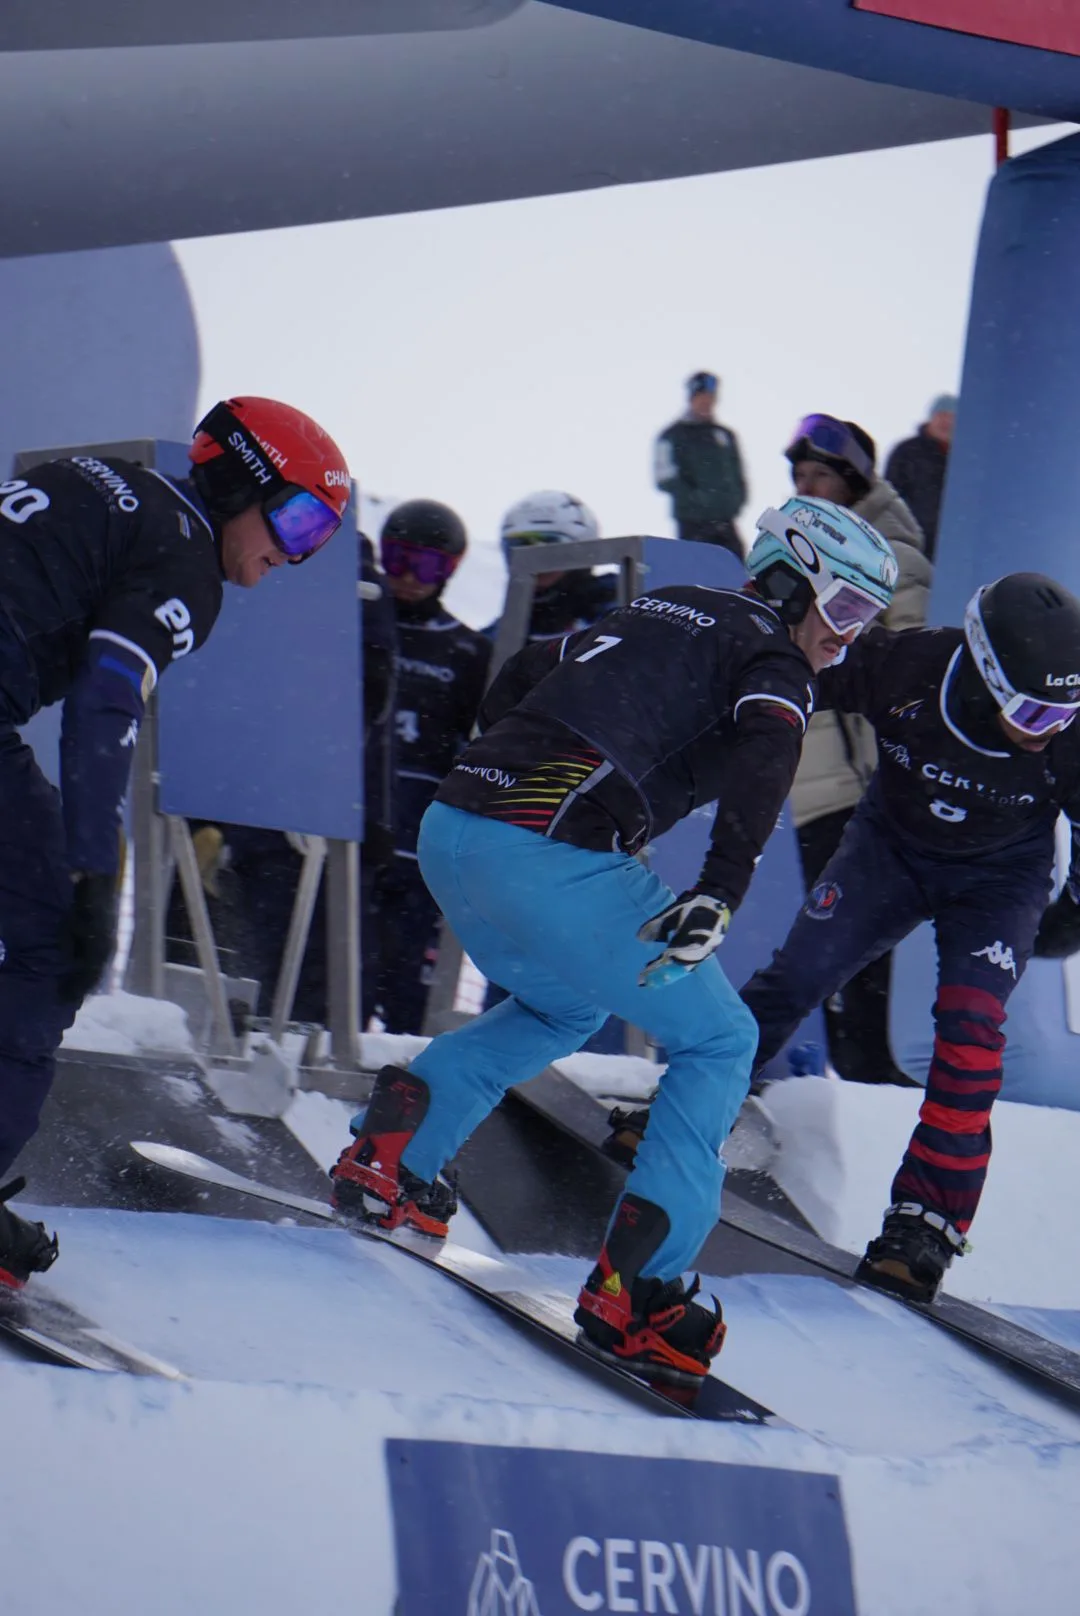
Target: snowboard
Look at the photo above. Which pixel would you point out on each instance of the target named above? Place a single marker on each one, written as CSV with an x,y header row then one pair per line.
x,y
561,1102
44,1324
510,1289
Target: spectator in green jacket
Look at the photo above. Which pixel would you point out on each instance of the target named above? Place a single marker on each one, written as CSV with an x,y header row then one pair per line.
x,y
697,462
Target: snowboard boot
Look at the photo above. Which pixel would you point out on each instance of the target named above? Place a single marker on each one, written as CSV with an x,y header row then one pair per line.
x,y
627,1132
25,1248
652,1327
912,1252
369,1179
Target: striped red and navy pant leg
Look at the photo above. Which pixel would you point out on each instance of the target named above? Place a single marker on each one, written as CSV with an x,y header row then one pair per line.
x,y
944,1167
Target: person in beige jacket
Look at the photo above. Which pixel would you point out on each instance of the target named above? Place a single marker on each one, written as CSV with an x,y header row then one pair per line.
x,y
834,459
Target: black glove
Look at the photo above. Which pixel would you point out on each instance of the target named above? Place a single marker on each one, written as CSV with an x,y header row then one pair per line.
x,y
693,927
1059,929
89,935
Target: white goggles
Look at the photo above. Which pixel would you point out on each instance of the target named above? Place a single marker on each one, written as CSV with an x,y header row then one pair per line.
x,y
846,608
1030,714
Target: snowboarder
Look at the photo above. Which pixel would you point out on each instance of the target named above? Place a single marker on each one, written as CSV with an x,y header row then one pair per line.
x,y
562,600
589,746
441,668
110,572
976,757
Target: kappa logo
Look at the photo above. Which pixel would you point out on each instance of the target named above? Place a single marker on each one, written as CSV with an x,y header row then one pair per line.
x,y
906,709
131,735
997,954
822,901
499,1586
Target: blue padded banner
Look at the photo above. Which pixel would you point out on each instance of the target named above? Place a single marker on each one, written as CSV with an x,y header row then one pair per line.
x,y
262,726
486,1531
1010,505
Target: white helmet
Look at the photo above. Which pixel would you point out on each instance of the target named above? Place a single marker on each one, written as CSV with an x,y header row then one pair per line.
x,y
549,517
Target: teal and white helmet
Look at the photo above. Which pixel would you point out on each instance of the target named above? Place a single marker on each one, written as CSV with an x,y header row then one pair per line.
x,y
811,551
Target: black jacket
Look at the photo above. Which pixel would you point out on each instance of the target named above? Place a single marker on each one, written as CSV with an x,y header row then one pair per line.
x,y
441,668
574,601
916,468
947,779
606,738
108,573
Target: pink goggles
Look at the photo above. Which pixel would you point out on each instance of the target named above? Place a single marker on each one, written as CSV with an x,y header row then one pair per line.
x,y
426,566
1037,717
300,522
845,608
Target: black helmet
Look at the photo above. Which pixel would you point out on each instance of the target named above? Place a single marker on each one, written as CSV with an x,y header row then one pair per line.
x,y
426,525
1023,633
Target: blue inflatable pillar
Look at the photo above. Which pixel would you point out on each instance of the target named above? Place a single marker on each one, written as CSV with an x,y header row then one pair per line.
x,y
1012,504
1013,493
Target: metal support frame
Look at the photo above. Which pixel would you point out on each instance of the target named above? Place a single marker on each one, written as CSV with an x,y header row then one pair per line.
x,y
225,1042
526,562
343,953
307,890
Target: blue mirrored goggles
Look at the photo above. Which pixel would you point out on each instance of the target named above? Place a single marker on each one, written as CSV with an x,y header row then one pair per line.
x,y
300,522
828,436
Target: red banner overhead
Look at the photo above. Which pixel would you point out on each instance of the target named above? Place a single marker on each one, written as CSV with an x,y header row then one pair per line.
x,y
1052,25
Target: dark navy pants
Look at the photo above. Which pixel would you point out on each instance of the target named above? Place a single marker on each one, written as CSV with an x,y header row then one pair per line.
x,y
400,936
985,911
35,896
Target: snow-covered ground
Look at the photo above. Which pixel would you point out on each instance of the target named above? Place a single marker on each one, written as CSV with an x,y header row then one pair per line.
x,y
259,1484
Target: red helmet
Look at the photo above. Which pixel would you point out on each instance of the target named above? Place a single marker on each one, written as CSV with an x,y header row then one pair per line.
x,y
247,450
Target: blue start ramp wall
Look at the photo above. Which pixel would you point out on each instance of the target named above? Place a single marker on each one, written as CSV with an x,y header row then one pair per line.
x,y
1014,484
263,725
777,888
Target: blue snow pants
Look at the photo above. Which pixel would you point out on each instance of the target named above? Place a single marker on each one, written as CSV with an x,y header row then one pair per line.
x,y
986,910
556,926
35,897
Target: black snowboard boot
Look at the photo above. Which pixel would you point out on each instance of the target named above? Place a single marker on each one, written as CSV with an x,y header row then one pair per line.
x,y
912,1252
651,1326
369,1179
627,1132
25,1248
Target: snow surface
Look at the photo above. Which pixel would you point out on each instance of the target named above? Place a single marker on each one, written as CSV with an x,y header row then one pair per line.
x,y
126,1024
258,1485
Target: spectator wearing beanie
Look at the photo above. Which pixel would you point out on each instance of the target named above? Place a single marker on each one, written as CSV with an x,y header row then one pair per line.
x,y
916,468
697,462
834,459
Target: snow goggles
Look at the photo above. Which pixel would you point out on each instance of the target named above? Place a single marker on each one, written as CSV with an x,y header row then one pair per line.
x,y
520,541
845,607
828,436
426,566
300,522
1030,714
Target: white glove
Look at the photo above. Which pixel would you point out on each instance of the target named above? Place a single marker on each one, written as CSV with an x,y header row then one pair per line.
x,y
693,927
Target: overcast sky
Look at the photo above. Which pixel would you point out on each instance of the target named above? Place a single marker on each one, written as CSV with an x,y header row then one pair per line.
x,y
477,354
